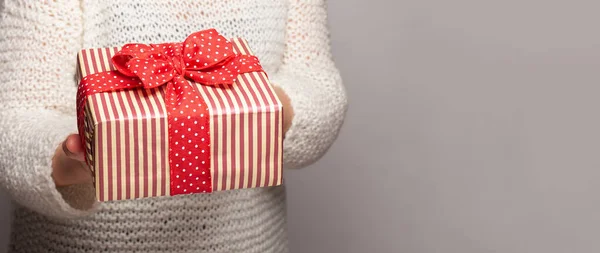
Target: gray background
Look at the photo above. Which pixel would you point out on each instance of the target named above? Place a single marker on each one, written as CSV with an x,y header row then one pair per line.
x,y
473,127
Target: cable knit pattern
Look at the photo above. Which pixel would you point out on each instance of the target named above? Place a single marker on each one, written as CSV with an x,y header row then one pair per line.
x,y
38,46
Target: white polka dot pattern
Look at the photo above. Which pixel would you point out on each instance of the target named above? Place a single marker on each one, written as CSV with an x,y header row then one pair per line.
x,y
188,126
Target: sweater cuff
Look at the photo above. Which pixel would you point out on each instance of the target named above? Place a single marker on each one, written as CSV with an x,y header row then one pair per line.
x,y
27,176
319,109
60,202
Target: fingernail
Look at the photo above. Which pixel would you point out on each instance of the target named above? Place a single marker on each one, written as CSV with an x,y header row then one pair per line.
x,y
65,149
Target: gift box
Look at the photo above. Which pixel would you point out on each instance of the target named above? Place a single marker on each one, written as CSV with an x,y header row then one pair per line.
x,y
189,117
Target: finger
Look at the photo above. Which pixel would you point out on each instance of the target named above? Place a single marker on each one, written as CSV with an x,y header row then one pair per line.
x,y
288,110
72,148
70,172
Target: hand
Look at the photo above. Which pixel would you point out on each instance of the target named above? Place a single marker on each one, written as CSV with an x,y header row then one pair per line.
x,y
68,163
288,111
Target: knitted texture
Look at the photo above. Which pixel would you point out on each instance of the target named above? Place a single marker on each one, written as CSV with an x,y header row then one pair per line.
x,y
39,42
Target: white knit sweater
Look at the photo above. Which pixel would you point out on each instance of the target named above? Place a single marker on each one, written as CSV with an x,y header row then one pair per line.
x,y
38,46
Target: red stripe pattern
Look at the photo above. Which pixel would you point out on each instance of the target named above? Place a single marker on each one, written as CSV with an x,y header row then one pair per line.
x,y
246,126
126,134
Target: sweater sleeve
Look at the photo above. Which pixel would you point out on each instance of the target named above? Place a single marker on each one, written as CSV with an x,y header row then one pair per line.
x,y
310,78
37,93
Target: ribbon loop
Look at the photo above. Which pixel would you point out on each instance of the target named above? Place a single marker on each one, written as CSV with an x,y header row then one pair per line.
x,y
206,49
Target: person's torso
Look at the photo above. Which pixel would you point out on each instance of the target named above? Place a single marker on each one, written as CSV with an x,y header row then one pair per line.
x,y
117,22
250,220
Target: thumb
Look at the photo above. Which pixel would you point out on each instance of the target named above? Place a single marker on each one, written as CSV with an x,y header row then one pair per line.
x,y
73,148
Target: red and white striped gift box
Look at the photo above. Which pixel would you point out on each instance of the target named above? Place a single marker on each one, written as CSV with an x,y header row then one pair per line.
x,y
127,143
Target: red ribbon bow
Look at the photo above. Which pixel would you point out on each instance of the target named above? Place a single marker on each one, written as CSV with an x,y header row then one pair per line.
x,y
205,57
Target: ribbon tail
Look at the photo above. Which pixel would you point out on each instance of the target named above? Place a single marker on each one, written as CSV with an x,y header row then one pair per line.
x,y
189,139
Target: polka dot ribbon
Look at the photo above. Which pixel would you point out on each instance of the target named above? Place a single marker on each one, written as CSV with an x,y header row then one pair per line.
x,y
205,57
